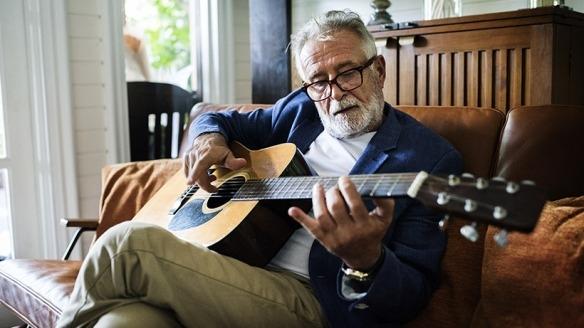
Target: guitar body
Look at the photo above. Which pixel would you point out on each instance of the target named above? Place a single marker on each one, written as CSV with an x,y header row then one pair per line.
x,y
251,231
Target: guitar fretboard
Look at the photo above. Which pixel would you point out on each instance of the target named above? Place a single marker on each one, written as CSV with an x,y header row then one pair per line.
x,y
371,185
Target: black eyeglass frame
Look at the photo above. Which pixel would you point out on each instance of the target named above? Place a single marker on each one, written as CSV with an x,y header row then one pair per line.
x,y
360,69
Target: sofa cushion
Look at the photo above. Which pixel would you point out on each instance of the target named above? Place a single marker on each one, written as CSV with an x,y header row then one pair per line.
x,y
37,290
474,132
544,144
128,186
538,279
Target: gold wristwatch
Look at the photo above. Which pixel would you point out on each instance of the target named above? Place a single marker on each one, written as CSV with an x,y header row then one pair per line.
x,y
361,276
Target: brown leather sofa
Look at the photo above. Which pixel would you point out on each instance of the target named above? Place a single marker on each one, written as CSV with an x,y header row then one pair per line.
x,y
544,144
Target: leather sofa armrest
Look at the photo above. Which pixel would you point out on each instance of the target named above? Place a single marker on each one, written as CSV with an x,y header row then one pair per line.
x,y
80,223
83,225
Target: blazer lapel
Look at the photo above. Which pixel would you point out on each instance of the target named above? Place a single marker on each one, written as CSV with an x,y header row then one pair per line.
x,y
377,151
305,133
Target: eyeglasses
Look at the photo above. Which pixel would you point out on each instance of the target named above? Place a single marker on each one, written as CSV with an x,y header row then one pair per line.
x,y
346,81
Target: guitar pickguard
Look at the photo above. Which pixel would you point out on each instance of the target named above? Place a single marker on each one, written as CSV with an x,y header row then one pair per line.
x,y
190,215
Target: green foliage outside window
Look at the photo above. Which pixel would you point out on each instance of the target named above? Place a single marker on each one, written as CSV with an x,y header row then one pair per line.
x,y
169,43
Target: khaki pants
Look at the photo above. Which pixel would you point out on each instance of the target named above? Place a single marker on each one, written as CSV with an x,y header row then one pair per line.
x,y
139,275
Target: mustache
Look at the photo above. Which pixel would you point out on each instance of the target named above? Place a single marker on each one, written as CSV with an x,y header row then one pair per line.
x,y
344,103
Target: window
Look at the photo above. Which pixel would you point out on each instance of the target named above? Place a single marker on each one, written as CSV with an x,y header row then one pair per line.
x,y
158,32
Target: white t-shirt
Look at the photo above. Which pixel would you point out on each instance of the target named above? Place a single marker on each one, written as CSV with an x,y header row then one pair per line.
x,y
327,156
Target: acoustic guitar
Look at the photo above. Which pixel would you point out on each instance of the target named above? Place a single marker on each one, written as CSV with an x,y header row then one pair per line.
x,y
246,218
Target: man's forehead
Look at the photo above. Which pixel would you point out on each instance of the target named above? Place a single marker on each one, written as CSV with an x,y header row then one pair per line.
x,y
320,57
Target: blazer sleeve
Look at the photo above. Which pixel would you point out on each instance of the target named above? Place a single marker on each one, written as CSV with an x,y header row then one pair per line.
x,y
257,129
413,251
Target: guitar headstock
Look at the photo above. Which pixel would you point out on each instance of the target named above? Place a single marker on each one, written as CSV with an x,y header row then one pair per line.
x,y
506,204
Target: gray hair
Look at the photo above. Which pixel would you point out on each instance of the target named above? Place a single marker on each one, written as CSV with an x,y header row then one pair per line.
x,y
323,27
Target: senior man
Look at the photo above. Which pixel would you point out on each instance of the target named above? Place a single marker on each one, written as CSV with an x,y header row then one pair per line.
x,y
351,264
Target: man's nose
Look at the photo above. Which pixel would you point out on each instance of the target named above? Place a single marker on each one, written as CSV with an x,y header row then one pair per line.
x,y
336,92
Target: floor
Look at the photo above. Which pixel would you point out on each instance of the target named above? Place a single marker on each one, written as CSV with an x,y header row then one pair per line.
x,y
7,319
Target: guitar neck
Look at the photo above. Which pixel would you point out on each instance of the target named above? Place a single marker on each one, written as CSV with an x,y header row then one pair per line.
x,y
368,185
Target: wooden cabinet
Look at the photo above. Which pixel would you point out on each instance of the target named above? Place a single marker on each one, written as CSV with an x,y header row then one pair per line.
x,y
503,60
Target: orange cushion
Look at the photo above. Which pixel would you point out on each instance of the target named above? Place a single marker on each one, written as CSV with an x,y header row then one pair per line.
x,y
538,279
128,186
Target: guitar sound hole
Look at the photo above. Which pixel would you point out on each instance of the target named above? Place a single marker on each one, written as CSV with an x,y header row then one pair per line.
x,y
226,192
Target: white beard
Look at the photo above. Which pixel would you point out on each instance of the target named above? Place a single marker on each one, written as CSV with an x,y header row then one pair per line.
x,y
367,117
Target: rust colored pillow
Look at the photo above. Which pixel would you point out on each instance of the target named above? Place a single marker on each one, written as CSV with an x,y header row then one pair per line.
x,y
538,279
128,186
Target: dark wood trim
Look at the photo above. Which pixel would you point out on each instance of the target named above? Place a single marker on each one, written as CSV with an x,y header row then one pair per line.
x,y
270,28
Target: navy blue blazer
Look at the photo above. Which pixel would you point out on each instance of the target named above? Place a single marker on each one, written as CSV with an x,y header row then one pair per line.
x,y
414,245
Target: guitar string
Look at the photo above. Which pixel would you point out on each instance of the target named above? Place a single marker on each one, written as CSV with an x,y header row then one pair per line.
x,y
251,190
269,183
355,179
225,193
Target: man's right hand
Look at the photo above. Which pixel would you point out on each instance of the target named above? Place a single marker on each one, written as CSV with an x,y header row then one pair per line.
x,y
207,150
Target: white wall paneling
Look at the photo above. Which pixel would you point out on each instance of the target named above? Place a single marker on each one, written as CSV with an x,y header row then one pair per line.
x,y
115,91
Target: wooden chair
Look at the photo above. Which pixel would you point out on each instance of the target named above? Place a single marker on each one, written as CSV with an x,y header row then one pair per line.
x,y
158,114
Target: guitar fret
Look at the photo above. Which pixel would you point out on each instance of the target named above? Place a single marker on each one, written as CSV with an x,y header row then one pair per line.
x,y
294,191
365,187
390,192
360,186
284,188
270,188
306,186
374,190
329,183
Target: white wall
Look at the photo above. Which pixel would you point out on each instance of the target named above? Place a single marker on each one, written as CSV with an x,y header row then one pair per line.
x,y
400,10
86,34
87,56
577,5
477,7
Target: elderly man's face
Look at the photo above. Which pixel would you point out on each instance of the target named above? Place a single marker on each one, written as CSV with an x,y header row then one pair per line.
x,y
345,113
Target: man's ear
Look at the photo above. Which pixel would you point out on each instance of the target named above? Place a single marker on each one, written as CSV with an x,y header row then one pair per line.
x,y
379,66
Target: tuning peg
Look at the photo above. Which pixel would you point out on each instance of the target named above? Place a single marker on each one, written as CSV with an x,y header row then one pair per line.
x,y
467,175
498,178
512,187
501,238
482,183
499,212
443,198
470,232
470,205
453,180
528,182
443,224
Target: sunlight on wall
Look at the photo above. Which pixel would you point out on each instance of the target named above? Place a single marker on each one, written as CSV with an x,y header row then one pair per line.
x,y
2,134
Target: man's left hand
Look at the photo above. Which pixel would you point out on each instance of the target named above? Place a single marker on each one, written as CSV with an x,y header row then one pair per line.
x,y
343,225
